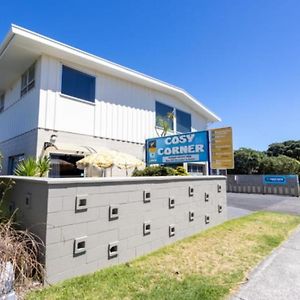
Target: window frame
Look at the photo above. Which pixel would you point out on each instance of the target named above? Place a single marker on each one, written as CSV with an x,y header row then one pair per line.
x,y
88,74
2,102
11,164
28,83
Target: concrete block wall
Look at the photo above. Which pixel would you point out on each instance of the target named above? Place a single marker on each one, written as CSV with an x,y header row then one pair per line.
x,y
93,223
254,184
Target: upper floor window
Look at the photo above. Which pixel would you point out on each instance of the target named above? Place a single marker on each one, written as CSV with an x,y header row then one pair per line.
x,y
28,79
167,116
78,84
164,115
183,121
2,99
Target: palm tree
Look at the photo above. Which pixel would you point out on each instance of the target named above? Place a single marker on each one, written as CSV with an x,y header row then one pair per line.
x,y
33,168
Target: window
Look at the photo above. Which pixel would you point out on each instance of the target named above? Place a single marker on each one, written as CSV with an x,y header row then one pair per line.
x,y
183,121
27,82
13,162
78,84
64,165
2,97
164,114
196,168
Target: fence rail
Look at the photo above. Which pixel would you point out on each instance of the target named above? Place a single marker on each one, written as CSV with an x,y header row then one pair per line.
x,y
287,185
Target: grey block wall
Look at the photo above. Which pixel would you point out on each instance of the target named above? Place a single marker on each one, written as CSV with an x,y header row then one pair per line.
x,y
254,184
92,223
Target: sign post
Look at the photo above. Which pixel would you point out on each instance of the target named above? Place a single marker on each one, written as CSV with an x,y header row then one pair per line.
x,y
221,148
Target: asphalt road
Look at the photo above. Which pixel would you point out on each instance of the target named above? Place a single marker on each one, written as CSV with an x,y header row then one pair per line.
x,y
278,276
243,204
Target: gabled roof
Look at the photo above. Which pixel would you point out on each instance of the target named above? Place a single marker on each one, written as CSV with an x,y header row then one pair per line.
x,y
21,47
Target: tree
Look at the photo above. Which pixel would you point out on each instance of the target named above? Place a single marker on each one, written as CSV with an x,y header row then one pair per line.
x,y
279,165
289,148
246,161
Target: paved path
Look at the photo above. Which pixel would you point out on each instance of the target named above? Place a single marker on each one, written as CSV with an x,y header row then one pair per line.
x,y
277,277
256,202
234,212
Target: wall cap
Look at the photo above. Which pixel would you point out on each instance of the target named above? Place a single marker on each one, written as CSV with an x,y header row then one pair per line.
x,y
89,180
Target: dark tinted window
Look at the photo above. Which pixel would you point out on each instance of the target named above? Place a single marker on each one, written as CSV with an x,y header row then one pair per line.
x,y
183,121
64,165
78,84
13,162
163,114
27,81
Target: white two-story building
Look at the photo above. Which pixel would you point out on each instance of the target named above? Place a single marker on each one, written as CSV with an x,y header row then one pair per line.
x,y
54,94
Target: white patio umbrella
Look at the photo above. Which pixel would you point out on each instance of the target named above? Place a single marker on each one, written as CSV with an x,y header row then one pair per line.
x,y
102,159
106,158
127,161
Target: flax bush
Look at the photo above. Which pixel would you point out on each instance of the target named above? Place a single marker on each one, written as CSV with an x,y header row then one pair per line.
x,y
19,247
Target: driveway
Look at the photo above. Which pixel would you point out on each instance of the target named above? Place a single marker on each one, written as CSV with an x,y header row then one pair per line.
x,y
243,204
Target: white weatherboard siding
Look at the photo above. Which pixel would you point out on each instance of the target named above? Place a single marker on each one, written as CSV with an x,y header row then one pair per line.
x,y
20,114
122,110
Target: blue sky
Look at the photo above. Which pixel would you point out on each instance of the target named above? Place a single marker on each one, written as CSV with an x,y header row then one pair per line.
x,y
240,58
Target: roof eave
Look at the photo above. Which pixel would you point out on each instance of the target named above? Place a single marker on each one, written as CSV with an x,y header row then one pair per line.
x,y
129,73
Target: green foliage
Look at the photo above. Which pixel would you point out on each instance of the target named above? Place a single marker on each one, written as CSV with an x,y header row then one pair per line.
x,y
5,186
160,171
249,161
43,165
164,123
31,167
288,148
181,171
27,167
246,161
279,165
179,271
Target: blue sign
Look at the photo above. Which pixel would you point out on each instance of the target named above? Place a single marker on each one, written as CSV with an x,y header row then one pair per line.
x,y
181,148
274,179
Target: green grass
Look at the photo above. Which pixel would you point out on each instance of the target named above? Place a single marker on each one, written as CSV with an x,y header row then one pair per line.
x,y
209,265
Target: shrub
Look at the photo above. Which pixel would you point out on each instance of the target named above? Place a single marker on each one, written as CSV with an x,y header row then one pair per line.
x,y
181,171
21,248
18,247
33,168
160,171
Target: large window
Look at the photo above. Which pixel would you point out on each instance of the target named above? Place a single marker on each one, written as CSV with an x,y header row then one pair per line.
x,y
28,80
2,99
164,114
183,121
78,84
170,115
